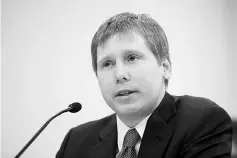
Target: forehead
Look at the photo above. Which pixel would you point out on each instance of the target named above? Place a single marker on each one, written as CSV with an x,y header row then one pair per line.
x,y
121,43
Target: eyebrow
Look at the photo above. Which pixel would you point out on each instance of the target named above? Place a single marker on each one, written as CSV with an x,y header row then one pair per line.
x,y
130,51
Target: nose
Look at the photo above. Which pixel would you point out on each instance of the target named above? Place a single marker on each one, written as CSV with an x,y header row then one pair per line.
x,y
121,73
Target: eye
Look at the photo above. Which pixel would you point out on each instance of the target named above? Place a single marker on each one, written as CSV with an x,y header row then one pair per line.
x,y
107,63
132,57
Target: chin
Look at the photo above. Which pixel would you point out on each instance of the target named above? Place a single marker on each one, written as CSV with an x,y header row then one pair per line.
x,y
128,111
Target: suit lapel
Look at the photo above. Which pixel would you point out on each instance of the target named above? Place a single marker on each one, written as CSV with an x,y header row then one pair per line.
x,y
107,145
158,131
156,136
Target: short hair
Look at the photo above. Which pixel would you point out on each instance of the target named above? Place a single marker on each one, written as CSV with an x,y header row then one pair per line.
x,y
127,22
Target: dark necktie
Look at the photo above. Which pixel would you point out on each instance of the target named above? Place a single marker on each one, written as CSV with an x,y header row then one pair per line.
x,y
130,140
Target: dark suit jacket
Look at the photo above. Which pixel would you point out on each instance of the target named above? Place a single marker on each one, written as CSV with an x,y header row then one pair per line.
x,y
183,126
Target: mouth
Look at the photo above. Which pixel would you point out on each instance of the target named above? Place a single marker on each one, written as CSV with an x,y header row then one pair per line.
x,y
125,92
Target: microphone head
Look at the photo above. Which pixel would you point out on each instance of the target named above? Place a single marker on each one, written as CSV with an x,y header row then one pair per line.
x,y
75,107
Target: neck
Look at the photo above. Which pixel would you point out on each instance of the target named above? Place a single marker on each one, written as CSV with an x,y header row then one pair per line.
x,y
131,121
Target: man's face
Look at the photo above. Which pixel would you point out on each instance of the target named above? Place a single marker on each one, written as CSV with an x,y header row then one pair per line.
x,y
130,78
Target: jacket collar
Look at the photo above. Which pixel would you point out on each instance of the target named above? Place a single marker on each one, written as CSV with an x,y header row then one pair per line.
x,y
107,146
159,130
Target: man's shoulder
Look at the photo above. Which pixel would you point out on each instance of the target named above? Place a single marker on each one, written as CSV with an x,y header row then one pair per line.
x,y
201,102
199,105
198,110
201,121
92,125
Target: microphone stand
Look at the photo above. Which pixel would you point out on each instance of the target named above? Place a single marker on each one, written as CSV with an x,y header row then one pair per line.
x,y
41,129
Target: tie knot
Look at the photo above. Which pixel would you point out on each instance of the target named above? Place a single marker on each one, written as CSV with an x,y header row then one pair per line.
x,y
131,138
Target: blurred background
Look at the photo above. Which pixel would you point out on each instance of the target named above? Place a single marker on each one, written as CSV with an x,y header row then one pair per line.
x,y
46,62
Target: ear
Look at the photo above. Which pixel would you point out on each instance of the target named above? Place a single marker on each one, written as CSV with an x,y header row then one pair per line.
x,y
167,69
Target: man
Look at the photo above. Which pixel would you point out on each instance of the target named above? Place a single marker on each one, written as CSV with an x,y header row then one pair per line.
x,y
130,57
234,137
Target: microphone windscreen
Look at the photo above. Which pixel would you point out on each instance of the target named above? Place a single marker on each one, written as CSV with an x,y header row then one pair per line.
x,y
75,107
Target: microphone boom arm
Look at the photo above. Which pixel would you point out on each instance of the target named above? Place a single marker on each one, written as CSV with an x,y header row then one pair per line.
x,y
41,129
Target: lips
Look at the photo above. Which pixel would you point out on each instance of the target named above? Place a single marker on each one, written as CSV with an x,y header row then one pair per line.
x,y
124,92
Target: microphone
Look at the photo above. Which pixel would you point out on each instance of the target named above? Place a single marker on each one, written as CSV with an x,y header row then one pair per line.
x,y
73,108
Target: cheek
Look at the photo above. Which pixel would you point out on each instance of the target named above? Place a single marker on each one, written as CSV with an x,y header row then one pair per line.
x,y
105,83
149,80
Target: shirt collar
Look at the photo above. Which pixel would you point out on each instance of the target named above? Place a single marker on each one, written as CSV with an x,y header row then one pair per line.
x,y
122,129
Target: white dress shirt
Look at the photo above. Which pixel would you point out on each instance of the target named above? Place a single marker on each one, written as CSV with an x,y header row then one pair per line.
x,y
122,130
